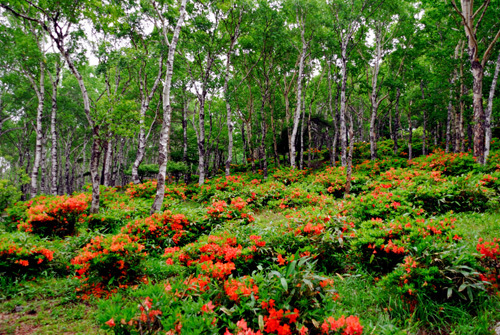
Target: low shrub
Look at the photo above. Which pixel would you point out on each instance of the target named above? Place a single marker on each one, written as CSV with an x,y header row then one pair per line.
x,y
113,260
18,259
55,216
161,230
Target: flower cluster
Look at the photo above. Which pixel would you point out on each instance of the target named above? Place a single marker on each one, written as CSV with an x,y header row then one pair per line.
x,y
490,252
237,288
16,259
159,230
55,216
216,257
110,260
221,211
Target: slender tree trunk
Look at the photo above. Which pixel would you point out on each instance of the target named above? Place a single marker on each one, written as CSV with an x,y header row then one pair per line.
x,y
301,154
309,136
349,157
243,139
296,117
263,153
145,101
424,125
53,130
275,143
185,141
448,126
230,126
118,175
489,110
374,96
479,117
395,128
108,160
410,134
343,105
333,114
43,164
40,93
167,111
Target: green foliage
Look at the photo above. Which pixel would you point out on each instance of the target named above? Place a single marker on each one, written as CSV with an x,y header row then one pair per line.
x,y
9,194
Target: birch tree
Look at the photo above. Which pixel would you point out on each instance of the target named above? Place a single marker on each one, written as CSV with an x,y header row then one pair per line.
x,y
167,107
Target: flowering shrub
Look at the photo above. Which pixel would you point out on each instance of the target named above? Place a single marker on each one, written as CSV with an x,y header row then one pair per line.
x,y
161,230
17,213
378,204
217,256
237,289
288,175
169,308
147,190
460,194
220,211
442,274
110,260
17,259
381,246
451,164
373,168
490,252
333,180
55,216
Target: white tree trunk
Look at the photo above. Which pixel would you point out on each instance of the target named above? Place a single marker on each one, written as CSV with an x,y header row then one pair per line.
x,y
145,101
298,108
489,110
40,93
167,112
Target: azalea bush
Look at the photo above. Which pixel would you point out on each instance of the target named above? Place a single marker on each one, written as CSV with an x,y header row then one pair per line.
x,y
288,175
490,253
55,216
114,260
160,230
217,256
380,246
220,212
18,258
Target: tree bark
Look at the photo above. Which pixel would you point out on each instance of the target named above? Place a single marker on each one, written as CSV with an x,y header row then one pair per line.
x,y
349,157
410,134
230,126
298,108
424,124
40,93
145,101
167,111
53,130
395,128
343,104
108,160
489,110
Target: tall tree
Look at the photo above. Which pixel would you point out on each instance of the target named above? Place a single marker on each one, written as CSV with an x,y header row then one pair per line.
x,y
167,107
472,17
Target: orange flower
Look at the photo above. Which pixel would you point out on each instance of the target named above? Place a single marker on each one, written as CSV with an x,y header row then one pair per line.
x,y
111,322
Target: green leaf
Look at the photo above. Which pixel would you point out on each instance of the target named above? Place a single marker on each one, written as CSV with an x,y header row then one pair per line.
x,y
284,283
291,268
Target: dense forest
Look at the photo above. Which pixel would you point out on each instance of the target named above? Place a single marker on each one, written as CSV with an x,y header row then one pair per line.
x,y
250,167
112,92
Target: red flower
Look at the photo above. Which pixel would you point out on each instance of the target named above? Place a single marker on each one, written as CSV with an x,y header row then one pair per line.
x,y
111,322
208,307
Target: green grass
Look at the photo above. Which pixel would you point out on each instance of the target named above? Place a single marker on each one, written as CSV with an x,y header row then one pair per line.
x,y
47,306
475,225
